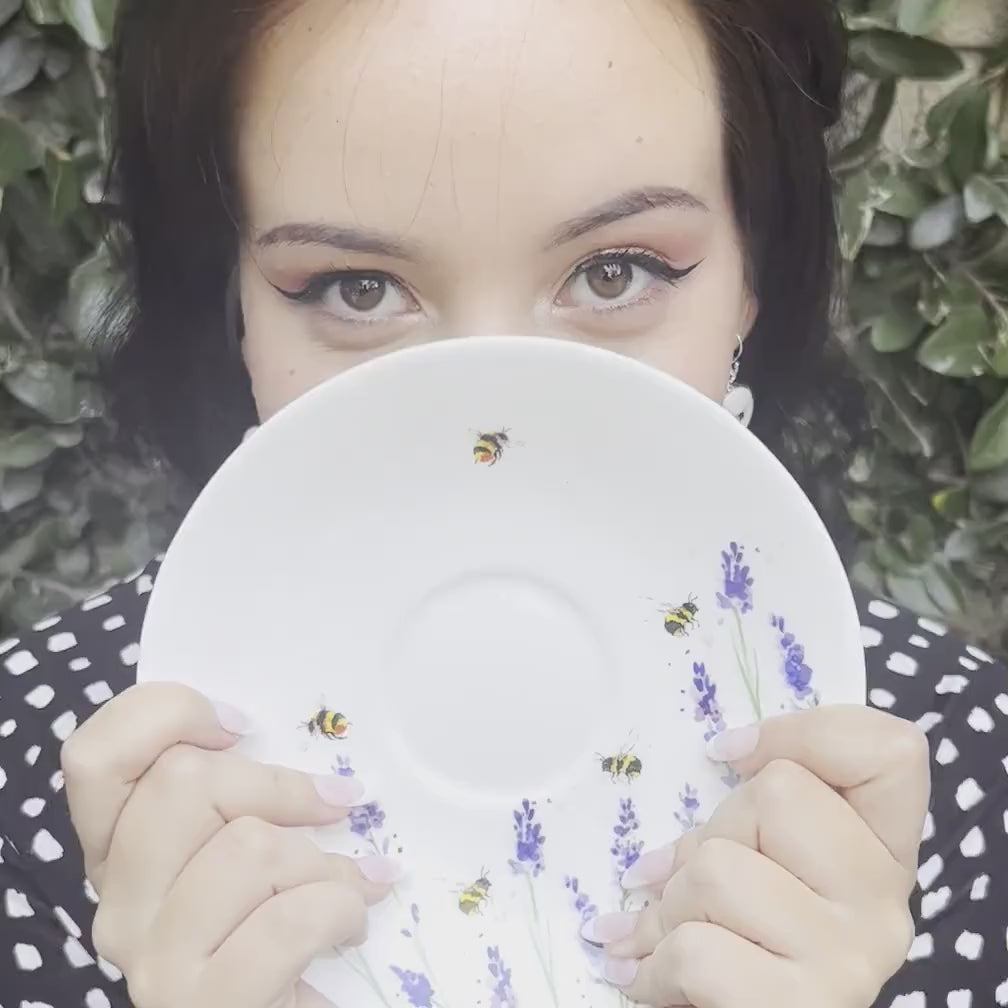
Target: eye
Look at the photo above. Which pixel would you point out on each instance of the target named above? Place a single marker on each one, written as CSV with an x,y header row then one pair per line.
x,y
619,279
356,297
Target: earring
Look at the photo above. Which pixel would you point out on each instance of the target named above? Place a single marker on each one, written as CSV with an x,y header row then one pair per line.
x,y
738,399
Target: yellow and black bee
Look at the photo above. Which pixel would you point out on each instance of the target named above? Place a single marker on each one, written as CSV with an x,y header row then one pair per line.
x,y
624,764
473,898
328,724
679,620
490,447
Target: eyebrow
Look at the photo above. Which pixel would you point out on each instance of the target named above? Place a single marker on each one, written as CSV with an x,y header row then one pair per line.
x,y
346,239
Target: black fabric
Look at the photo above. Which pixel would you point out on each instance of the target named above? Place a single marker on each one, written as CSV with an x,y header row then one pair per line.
x,y
57,675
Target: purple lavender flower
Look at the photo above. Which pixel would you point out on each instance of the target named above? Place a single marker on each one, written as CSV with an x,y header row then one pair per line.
x,y
626,847
707,708
502,993
796,673
689,806
366,819
343,767
583,905
738,582
529,841
416,987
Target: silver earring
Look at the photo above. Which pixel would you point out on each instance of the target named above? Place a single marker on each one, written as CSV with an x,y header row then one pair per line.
x,y
738,399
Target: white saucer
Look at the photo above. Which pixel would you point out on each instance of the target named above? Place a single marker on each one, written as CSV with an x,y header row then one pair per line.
x,y
492,617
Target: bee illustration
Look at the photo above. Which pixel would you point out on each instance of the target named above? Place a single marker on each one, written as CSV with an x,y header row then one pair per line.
x,y
327,723
473,898
490,446
680,619
624,764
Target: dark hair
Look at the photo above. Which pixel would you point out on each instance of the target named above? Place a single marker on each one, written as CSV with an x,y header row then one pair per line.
x,y
178,71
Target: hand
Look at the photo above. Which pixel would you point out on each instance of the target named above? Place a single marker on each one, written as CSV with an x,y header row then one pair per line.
x,y
206,901
796,892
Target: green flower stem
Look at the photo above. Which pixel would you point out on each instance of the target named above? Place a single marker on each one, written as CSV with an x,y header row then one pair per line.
x,y
751,680
535,933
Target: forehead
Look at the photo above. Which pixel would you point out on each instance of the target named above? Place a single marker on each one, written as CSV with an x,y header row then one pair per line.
x,y
400,114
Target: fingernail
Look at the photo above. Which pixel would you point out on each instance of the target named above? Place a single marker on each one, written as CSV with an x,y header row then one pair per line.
x,y
650,869
344,792
231,719
609,928
734,744
380,870
621,972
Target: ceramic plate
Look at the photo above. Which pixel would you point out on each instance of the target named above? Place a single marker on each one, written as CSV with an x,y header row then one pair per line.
x,y
527,579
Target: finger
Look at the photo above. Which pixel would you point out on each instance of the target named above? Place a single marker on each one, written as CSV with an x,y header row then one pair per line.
x,y
705,966
879,763
281,938
105,756
788,814
739,889
243,866
185,798
306,996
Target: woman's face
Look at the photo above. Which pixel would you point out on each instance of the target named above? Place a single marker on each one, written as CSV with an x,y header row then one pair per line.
x,y
427,169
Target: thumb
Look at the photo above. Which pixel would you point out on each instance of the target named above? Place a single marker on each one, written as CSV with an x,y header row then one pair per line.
x,y
879,763
306,996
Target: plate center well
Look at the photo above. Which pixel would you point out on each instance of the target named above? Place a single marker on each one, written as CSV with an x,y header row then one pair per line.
x,y
496,686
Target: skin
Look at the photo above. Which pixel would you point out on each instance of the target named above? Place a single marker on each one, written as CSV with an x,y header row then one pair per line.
x,y
473,135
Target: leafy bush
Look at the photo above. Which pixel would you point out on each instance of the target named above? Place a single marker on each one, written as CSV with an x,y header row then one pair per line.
x,y
924,235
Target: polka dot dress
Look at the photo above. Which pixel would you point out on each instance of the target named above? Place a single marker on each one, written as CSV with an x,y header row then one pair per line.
x,y
54,677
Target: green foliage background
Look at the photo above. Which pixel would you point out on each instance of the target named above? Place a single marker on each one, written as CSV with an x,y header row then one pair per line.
x,y
925,241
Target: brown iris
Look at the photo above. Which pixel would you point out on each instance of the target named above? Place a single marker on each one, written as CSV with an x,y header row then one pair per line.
x,y
363,294
609,280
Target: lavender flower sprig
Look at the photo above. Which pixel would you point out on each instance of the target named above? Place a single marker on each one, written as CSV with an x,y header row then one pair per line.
x,y
796,673
626,844
502,994
416,987
737,598
707,709
689,807
583,905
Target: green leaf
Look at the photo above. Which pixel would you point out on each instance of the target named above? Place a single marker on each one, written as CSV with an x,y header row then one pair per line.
x,y
989,447
986,193
898,329
8,8
941,115
893,54
25,448
21,59
957,347
44,12
908,197
939,224
19,487
47,388
857,203
862,149
20,152
992,486
922,17
93,20
968,137
64,186
945,590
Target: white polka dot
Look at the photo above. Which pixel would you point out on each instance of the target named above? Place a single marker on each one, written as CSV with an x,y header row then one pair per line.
x,y
922,948
932,626
928,830
951,684
21,662
3,777
130,655
933,903
969,945
1000,701
27,956
32,755
968,794
108,969
980,721
61,642
46,847
978,891
1001,994
946,752
927,721
98,692
41,696
8,645
968,664
96,998
979,655
76,954
881,698
882,610
56,781
114,623
96,602
16,904
913,1000
64,725
917,641
902,664
67,921
144,584
90,892
79,664
32,807
1004,763
929,871
870,637
47,624
973,844
7,728
959,999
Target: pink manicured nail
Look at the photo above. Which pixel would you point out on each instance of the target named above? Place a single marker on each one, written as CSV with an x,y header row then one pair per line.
x,y
652,868
609,928
231,719
735,744
380,870
343,792
621,972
